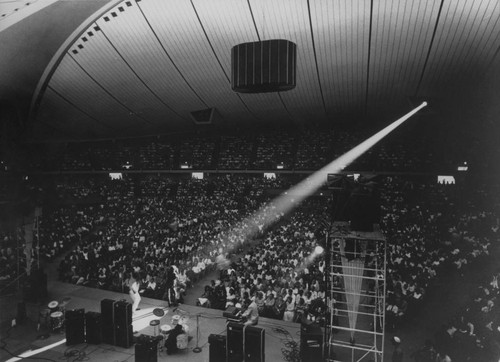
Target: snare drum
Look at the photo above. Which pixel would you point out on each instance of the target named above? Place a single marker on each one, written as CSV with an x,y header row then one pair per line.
x,y
165,329
53,306
56,321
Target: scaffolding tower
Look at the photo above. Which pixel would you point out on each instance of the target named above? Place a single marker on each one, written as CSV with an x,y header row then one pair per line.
x,y
356,286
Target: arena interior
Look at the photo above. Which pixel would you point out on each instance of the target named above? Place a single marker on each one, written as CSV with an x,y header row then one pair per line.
x,y
250,180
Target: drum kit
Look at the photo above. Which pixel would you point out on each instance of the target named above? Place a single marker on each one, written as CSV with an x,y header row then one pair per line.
x,y
55,311
166,328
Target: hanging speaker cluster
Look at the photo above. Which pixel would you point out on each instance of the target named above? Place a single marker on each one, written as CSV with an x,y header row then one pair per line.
x,y
264,66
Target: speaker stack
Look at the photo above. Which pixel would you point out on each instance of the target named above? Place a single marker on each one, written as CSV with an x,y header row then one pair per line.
x,y
108,321
146,349
75,326
254,344
217,350
311,342
123,324
234,342
245,343
93,328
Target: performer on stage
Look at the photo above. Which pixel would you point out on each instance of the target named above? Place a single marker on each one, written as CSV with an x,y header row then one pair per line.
x,y
252,314
134,291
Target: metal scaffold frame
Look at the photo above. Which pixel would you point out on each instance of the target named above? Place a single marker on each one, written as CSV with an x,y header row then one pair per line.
x,y
356,289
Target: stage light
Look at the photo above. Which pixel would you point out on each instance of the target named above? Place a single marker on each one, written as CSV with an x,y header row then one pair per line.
x,y
283,204
318,250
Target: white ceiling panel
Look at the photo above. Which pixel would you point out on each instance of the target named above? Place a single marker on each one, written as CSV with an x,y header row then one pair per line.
x,y
152,62
401,35
341,31
134,38
289,19
182,33
467,35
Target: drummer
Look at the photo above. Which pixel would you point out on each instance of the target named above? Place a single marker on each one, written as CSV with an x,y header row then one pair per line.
x,y
171,342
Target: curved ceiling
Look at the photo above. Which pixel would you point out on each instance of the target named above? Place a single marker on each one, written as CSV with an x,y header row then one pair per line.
x,y
140,67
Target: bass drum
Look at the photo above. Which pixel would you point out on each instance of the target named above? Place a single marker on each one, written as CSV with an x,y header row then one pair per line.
x,y
56,321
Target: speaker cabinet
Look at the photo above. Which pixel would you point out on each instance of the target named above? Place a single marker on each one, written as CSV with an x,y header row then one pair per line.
x,y
123,312
146,349
234,342
263,66
124,335
311,343
75,326
217,350
108,321
254,344
93,328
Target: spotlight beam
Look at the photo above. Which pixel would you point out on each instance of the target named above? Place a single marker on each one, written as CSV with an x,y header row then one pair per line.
x,y
296,194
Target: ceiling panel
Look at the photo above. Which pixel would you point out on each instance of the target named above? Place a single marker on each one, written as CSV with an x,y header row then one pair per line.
x,y
180,30
75,87
289,19
131,34
401,35
467,38
341,31
151,62
67,119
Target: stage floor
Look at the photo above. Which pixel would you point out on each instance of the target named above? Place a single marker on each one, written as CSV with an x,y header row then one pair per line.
x,y
26,337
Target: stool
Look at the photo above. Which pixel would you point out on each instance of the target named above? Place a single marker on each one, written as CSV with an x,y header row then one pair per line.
x,y
155,323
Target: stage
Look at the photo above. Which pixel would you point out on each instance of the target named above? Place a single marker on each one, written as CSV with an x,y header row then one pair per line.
x,y
25,336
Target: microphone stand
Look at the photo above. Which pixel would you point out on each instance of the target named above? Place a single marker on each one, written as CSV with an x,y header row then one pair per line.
x,y
197,349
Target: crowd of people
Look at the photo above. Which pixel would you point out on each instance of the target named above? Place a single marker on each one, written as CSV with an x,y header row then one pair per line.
x,y
166,232
289,150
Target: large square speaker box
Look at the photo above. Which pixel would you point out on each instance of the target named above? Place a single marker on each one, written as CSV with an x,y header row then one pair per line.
x,y
93,328
146,349
254,344
234,342
75,326
108,321
264,66
217,350
123,312
311,343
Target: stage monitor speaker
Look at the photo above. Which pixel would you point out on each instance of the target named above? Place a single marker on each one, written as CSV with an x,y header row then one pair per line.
x,y
123,312
254,344
217,350
234,342
75,326
311,343
264,66
108,321
93,328
146,349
